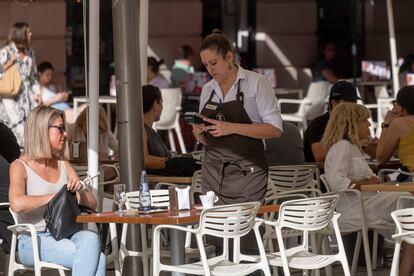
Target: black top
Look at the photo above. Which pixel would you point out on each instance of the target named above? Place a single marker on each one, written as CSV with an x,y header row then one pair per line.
x,y
313,134
9,148
155,144
286,149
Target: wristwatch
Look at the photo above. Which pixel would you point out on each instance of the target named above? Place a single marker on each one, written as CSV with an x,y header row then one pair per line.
x,y
385,125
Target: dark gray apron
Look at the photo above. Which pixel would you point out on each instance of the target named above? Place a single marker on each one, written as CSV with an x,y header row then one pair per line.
x,y
234,166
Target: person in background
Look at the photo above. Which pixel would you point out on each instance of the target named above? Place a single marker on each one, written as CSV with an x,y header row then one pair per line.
x,y
241,109
6,218
10,149
398,130
341,91
286,149
326,68
107,140
182,66
154,76
14,110
34,180
155,150
47,94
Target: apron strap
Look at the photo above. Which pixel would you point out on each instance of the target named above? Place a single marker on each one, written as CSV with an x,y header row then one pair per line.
x,y
240,94
209,99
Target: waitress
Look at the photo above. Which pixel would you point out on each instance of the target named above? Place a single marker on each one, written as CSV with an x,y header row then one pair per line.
x,y
241,110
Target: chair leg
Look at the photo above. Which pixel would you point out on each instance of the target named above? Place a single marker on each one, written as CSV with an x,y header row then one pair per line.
x,y
396,259
356,253
115,249
171,139
315,251
326,250
367,251
180,138
375,250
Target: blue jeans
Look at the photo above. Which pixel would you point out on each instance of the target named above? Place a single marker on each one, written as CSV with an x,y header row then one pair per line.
x,y
81,253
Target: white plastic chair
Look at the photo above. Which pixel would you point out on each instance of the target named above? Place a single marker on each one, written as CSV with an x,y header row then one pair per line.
x,y
309,107
307,215
160,199
19,228
227,222
170,116
362,229
404,220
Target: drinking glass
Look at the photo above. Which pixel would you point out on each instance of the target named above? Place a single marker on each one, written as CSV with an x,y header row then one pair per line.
x,y
119,196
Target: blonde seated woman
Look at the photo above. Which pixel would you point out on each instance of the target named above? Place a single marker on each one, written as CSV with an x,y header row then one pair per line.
x,y
346,168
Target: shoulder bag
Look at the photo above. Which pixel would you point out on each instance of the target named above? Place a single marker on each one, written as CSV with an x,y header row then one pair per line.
x,y
60,214
10,83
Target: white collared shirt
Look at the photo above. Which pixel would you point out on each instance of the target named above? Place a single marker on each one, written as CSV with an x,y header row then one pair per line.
x,y
260,101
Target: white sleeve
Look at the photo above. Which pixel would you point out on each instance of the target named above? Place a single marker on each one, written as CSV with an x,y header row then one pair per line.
x,y
337,166
267,103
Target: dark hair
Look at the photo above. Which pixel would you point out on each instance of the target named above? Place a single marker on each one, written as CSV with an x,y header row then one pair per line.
x,y
217,41
406,65
154,65
185,51
45,65
18,35
150,94
405,98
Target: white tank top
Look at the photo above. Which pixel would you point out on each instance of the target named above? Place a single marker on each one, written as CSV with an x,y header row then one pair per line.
x,y
36,185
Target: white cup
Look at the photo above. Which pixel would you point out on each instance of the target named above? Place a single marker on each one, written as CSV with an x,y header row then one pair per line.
x,y
208,200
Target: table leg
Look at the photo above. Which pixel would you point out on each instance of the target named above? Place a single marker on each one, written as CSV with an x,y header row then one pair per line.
x,y
177,249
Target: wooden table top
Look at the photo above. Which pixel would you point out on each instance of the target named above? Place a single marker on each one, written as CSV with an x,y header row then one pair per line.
x,y
374,165
389,187
170,179
169,217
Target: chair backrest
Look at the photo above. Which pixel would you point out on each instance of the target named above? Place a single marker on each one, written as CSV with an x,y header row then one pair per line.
x,y
81,171
195,186
404,220
292,177
315,98
308,214
325,182
229,221
171,108
159,198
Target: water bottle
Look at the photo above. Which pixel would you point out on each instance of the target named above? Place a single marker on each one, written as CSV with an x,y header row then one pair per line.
x,y
144,193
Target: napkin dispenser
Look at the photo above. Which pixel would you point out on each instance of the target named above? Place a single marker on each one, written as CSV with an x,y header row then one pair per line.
x,y
179,198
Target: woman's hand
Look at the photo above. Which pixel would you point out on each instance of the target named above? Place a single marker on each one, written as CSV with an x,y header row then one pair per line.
x,y
218,128
74,184
198,132
391,116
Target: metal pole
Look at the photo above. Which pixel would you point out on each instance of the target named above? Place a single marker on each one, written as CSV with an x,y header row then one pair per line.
x,y
143,39
393,48
129,106
93,89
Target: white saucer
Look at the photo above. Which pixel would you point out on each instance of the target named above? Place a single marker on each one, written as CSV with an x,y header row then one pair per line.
x,y
198,207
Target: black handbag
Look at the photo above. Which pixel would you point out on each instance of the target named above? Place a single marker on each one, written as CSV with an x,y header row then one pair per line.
x,y
60,214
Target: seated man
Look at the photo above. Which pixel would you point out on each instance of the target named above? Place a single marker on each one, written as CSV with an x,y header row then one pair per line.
x,y
286,149
156,153
5,217
341,91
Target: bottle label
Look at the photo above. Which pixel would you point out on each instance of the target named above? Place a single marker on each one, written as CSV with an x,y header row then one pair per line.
x,y
145,201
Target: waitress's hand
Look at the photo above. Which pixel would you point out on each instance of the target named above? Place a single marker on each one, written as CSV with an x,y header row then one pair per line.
x,y
218,128
199,132
74,184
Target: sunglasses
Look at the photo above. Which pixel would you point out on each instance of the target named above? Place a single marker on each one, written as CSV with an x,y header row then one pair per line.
x,y
61,128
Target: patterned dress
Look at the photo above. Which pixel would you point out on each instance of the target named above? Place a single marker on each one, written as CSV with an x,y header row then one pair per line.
x,y
14,110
